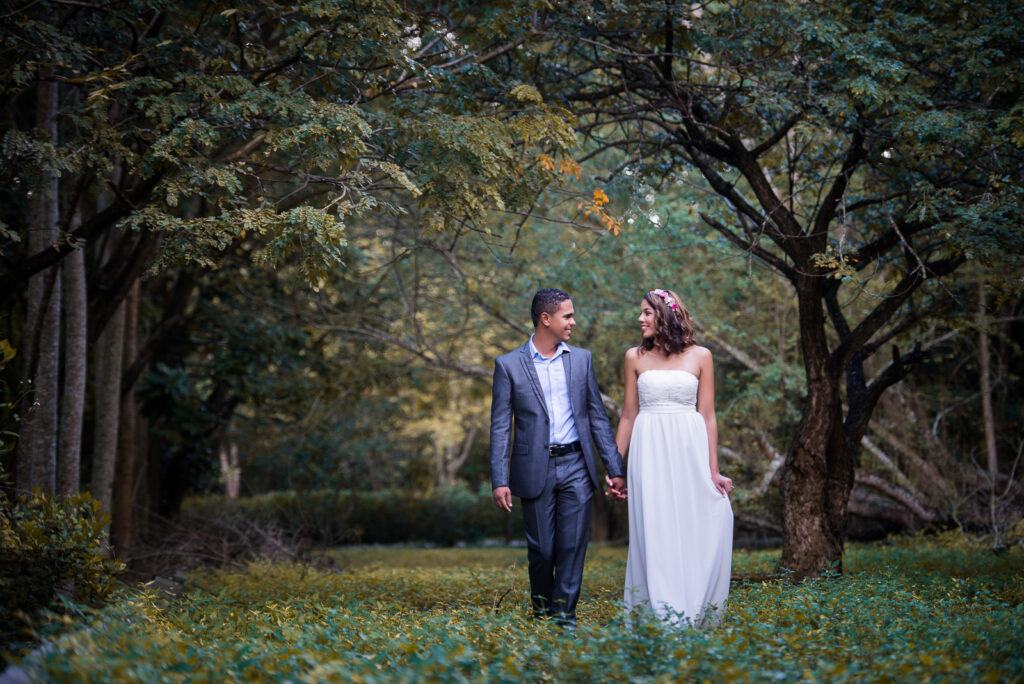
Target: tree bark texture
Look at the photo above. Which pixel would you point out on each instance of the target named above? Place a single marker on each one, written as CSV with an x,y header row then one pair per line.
x,y
69,457
121,532
818,475
107,392
36,464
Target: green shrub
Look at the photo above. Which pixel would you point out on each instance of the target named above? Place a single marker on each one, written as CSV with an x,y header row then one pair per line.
x,y
49,548
444,516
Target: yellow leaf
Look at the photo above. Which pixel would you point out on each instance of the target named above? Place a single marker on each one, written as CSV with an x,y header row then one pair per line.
x,y
570,167
527,93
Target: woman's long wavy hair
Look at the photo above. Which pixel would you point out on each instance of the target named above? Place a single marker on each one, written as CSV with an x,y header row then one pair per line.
x,y
673,330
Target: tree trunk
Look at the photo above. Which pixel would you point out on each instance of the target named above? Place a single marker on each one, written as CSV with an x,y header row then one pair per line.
x,y
815,484
448,462
229,470
143,493
69,458
107,390
127,453
36,464
812,490
987,418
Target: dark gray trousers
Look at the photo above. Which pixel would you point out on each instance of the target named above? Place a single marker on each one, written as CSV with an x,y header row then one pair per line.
x,y
557,525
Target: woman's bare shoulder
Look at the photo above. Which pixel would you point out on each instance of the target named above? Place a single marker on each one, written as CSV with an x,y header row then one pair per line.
x,y
701,352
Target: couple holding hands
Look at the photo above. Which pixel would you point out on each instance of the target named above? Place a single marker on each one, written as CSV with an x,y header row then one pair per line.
x,y
547,422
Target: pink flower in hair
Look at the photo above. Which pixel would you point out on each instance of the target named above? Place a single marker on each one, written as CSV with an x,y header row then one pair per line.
x,y
667,298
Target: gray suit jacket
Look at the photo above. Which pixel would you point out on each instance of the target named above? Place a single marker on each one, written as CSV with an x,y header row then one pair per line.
x,y
521,462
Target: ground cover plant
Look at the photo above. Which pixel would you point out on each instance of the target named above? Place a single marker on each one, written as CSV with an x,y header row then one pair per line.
x,y
914,611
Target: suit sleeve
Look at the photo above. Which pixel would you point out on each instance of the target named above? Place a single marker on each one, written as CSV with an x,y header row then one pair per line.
x,y
501,426
601,427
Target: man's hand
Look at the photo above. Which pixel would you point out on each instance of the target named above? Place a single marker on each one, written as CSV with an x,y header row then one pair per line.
x,y
503,498
616,487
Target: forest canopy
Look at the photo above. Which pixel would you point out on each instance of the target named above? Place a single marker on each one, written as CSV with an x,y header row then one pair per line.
x,y
247,249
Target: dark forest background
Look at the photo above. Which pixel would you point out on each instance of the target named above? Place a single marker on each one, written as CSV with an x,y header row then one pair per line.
x,y
272,251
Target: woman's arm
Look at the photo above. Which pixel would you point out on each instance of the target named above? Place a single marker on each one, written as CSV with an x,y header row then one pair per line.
x,y
630,405
706,408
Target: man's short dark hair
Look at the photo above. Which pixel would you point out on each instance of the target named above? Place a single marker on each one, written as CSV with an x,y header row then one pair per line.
x,y
547,301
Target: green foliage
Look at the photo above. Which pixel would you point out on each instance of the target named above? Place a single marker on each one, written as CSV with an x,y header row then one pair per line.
x,y
279,123
51,548
389,615
442,516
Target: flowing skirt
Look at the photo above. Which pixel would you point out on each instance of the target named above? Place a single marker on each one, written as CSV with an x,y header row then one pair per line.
x,y
680,526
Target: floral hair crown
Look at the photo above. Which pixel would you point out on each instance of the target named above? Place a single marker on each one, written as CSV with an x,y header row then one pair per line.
x,y
667,298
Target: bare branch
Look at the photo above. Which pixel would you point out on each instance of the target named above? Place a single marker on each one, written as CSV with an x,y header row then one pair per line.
x,y
777,135
761,253
900,496
888,307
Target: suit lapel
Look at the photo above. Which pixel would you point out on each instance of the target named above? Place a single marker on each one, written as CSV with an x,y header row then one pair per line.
x,y
531,373
567,365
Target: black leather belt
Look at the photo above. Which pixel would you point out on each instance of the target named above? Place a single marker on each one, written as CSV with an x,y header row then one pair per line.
x,y
563,449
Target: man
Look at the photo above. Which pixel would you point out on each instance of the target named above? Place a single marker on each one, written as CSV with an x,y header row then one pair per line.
x,y
548,391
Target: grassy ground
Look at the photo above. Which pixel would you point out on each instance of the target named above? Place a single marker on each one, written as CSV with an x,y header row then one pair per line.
x,y
911,612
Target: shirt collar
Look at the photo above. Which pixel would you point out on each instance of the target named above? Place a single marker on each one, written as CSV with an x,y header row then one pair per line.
x,y
562,347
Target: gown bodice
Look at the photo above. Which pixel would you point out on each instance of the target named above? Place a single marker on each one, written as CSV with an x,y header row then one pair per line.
x,y
667,390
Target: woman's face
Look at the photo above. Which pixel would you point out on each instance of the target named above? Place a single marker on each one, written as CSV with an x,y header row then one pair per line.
x,y
647,322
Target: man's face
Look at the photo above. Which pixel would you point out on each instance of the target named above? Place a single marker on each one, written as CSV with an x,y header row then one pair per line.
x,y
562,321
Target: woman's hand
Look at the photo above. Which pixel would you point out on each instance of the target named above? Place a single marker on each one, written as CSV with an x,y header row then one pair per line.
x,y
722,483
616,487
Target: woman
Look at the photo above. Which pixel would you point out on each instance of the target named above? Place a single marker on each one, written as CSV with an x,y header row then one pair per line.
x,y
680,520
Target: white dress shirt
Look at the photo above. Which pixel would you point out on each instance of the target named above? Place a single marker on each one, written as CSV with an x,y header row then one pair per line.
x,y
556,394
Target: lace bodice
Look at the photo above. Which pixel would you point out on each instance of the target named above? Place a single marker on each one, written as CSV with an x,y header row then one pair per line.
x,y
663,390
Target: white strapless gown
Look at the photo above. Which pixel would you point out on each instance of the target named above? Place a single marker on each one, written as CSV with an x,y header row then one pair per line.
x,y
680,526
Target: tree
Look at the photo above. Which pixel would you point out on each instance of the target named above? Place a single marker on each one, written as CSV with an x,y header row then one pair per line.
x,y
188,129
37,458
849,148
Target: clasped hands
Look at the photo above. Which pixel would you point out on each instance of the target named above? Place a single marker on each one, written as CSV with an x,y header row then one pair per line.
x,y
503,495
616,487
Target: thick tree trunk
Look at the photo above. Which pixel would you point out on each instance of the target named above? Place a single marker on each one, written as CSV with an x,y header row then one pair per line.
x,y
127,452
69,457
36,464
813,490
817,475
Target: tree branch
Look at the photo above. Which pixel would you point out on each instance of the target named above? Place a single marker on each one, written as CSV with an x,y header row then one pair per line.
x,y
900,496
777,135
105,219
761,253
855,154
888,307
